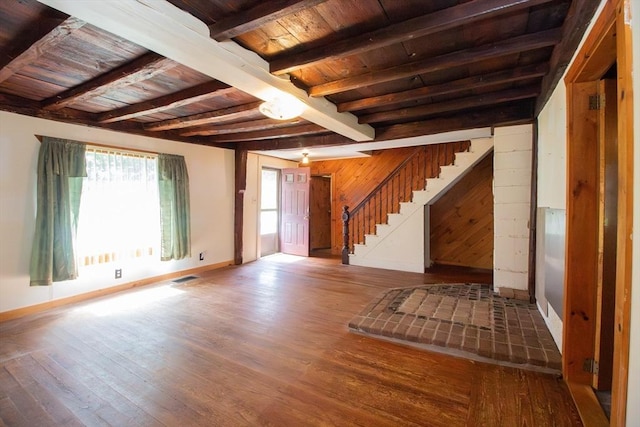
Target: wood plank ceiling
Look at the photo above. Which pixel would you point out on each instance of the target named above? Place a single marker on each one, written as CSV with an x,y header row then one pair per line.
x,y
405,67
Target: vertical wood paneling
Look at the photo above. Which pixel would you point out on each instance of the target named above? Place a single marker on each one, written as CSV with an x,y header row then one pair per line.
x,y
462,221
354,179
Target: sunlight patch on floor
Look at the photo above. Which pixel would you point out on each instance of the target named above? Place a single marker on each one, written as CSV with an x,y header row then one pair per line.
x,y
131,301
284,258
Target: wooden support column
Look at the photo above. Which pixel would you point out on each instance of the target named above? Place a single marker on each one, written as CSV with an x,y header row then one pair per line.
x,y
240,187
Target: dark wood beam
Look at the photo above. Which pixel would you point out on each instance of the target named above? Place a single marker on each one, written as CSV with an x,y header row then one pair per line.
x,y
27,107
294,142
31,34
30,54
252,125
474,82
259,15
500,116
178,99
238,217
230,113
140,69
306,129
453,59
474,101
575,24
462,14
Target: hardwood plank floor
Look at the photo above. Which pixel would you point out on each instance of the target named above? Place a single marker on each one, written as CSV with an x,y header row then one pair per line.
x,y
261,344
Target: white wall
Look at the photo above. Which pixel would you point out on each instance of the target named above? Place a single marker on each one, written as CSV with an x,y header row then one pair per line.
x,y
211,173
552,181
512,199
251,212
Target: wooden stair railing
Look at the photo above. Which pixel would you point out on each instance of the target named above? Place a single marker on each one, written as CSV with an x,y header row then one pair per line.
x,y
397,187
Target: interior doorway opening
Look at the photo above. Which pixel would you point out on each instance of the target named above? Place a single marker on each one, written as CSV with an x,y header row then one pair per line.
x,y
320,242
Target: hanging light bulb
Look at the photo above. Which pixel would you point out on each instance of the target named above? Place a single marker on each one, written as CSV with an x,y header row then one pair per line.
x,y
305,158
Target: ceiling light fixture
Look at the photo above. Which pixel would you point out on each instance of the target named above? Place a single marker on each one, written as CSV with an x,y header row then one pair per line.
x,y
305,158
282,108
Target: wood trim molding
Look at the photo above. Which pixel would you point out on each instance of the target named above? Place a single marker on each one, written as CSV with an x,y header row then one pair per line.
x,y
38,308
622,318
615,15
588,407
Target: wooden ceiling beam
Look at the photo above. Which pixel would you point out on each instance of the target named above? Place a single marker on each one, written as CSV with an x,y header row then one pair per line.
x,y
292,142
31,53
454,59
259,15
230,113
140,69
575,24
468,83
252,125
31,34
162,27
191,95
462,14
305,129
481,100
27,107
500,116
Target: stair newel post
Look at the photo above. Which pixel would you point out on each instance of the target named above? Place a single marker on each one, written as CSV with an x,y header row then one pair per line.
x,y
345,235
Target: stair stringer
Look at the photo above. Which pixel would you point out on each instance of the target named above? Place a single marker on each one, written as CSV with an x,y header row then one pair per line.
x,y
399,244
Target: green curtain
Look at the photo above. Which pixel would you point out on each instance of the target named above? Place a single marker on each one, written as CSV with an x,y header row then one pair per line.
x,y
61,167
175,213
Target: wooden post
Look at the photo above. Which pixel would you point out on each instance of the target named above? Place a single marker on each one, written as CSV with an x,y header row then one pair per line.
x,y
240,187
345,235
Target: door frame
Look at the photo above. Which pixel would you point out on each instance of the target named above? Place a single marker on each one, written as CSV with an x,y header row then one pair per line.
x,y
580,289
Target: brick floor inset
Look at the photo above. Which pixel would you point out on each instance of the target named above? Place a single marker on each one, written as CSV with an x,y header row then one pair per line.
x,y
468,318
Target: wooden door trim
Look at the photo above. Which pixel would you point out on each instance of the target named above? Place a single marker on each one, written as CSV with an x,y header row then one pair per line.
x,y
588,62
622,331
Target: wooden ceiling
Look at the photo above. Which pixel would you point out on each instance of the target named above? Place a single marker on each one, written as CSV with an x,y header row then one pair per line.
x,y
404,67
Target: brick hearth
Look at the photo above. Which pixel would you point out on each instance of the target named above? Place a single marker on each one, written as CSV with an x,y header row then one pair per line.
x,y
466,318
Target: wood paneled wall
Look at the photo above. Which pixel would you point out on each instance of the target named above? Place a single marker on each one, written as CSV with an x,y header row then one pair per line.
x,y
462,221
354,179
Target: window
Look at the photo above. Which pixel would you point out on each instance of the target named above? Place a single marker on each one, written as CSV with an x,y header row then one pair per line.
x,y
269,202
133,205
119,209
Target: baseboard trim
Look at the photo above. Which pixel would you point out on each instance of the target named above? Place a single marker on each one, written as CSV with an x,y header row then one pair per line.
x,y
37,308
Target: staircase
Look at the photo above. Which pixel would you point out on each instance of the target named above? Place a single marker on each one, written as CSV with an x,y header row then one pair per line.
x,y
400,243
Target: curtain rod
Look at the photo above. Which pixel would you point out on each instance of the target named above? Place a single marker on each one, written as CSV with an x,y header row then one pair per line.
x,y
96,144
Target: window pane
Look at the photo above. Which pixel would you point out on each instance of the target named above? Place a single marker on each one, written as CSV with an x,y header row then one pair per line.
x,y
269,189
268,222
119,209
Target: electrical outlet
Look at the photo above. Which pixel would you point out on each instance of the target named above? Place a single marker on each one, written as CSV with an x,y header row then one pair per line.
x,y
118,273
201,256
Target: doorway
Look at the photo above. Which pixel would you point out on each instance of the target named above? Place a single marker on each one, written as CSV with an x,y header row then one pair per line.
x,y
320,216
599,218
269,211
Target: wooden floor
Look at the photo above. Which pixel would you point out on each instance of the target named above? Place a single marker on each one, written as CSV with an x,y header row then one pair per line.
x,y
262,344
